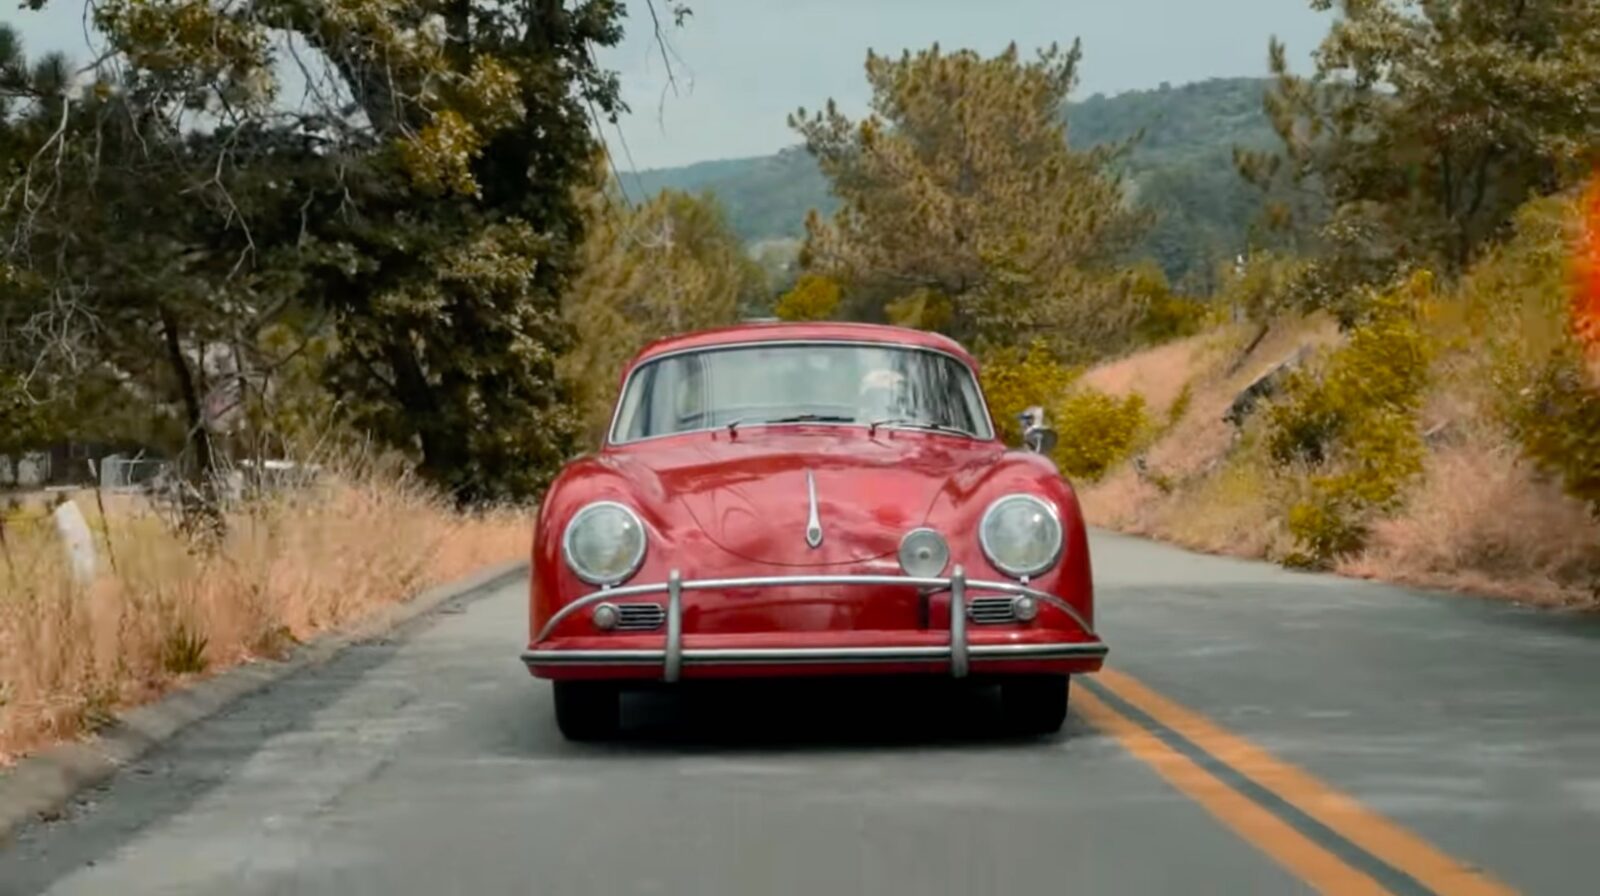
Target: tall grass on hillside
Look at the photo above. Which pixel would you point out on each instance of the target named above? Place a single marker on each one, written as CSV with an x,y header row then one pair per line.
x,y
1496,488
291,566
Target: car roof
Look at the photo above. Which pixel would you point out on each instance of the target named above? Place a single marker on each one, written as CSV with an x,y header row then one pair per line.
x,y
829,331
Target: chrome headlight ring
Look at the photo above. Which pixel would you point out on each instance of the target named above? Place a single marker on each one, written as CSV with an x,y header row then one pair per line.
x,y
620,559
923,553
1002,519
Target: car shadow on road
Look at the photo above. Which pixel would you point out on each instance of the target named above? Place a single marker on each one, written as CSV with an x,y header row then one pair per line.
x,y
805,716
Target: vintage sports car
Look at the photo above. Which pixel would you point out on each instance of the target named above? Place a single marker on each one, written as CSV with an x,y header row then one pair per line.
x,y
826,499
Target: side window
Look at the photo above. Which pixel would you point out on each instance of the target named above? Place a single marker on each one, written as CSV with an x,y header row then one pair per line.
x,y
689,406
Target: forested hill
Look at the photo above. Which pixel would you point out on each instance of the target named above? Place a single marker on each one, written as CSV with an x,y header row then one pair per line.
x,y
1182,168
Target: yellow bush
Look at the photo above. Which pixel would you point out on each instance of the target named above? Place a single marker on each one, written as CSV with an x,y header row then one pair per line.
x,y
1166,315
1016,379
1097,431
814,297
924,309
1558,424
1355,424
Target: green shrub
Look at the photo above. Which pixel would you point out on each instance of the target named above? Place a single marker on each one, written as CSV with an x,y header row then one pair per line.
x,y
1165,315
1354,424
183,651
1557,421
1097,431
1511,330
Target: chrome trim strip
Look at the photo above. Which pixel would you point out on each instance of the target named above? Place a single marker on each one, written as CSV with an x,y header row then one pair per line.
x,y
958,622
935,583
813,518
616,410
672,661
815,655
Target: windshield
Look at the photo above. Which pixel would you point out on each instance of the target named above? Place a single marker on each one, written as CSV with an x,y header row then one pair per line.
x,y
847,384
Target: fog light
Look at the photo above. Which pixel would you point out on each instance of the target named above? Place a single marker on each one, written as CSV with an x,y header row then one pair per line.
x,y
1025,608
923,553
605,617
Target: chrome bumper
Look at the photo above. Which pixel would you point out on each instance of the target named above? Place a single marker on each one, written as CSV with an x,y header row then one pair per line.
x,y
958,653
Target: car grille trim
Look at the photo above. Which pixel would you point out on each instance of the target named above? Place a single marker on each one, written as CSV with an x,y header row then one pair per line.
x,y
992,610
643,617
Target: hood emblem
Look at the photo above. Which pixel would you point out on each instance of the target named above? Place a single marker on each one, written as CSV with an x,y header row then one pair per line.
x,y
813,521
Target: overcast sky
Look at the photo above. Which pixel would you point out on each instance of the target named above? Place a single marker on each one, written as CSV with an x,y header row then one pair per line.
x,y
743,65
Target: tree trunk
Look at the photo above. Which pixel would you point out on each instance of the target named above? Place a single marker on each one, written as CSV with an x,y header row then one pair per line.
x,y
442,456
200,511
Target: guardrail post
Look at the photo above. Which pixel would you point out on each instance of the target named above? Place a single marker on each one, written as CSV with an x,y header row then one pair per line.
x,y
958,623
674,655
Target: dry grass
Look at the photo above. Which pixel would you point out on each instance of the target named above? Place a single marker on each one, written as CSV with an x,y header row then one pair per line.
x,y
1196,445
1482,520
1159,374
290,567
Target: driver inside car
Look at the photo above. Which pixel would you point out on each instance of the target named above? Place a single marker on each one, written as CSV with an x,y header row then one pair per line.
x,y
881,395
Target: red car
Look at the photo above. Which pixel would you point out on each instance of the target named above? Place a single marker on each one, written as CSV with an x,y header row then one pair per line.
x,y
809,499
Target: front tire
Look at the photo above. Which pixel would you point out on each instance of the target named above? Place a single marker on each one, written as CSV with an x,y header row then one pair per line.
x,y
1035,704
588,710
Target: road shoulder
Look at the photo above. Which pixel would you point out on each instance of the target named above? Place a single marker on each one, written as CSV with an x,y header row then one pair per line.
x,y
40,786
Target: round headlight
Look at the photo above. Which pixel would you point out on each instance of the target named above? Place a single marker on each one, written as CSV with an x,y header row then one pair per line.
x,y
1021,535
604,543
923,553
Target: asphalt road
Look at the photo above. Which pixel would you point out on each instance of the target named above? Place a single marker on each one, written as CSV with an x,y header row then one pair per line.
x,y
1260,732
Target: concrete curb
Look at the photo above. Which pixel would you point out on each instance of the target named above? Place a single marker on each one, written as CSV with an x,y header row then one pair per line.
x,y
40,786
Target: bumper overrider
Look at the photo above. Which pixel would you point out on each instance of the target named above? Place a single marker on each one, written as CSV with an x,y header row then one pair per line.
x,y
957,654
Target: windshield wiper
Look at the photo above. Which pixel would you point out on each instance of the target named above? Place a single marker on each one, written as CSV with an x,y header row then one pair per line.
x,y
915,424
812,418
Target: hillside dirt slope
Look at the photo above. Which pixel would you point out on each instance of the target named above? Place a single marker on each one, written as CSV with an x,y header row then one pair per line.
x,y
1480,518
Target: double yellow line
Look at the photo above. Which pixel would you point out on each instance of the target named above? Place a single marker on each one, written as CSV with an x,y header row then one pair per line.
x,y
1322,836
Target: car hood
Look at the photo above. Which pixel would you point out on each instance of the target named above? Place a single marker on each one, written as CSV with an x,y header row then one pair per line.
x,y
751,494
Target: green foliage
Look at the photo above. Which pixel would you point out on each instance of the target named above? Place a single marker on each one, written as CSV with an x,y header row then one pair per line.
x,y
1165,315
183,651
1424,127
413,225
1097,431
1558,423
814,297
1267,285
1353,425
668,266
960,187
23,421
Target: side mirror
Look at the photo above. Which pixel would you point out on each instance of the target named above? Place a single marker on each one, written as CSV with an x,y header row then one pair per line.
x,y
1040,439
1037,436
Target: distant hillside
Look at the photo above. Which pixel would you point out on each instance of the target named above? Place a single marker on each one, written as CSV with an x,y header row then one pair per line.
x,y
1182,167
766,196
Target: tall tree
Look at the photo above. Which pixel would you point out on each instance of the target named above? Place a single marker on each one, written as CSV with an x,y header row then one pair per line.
x,y
1426,124
664,267
420,194
962,201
